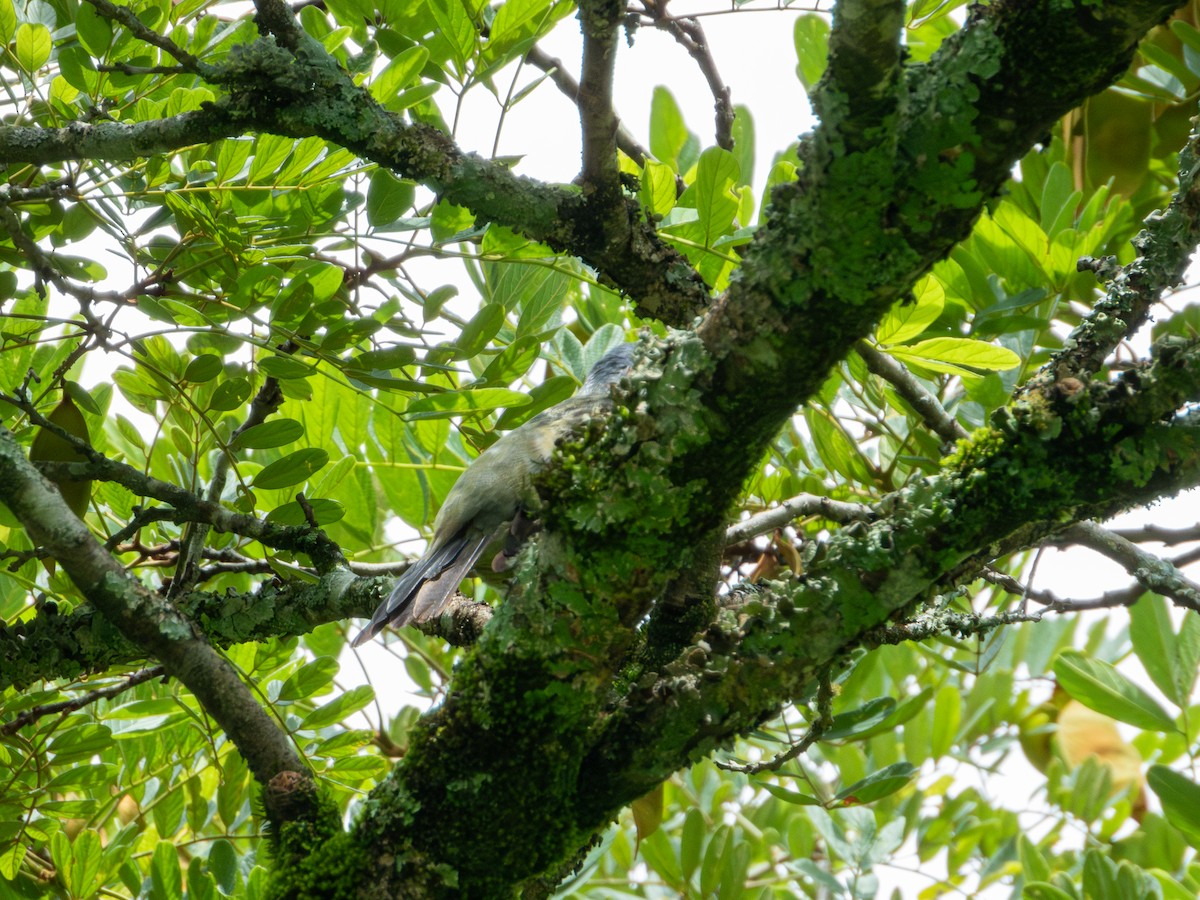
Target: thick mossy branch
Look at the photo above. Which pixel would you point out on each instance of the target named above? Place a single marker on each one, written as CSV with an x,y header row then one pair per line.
x,y
54,645
850,237
1063,457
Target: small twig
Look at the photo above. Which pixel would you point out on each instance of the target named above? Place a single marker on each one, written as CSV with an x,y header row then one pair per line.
x,y
141,518
45,270
689,34
1126,596
315,543
125,16
793,508
68,706
309,516
927,406
266,401
1168,536
819,726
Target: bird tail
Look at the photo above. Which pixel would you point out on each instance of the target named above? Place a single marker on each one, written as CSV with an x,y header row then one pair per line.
x,y
427,585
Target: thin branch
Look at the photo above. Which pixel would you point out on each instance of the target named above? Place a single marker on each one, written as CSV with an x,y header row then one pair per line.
x,y
926,404
689,34
324,552
67,706
570,87
794,508
600,22
46,269
819,726
1152,572
266,401
126,17
1159,534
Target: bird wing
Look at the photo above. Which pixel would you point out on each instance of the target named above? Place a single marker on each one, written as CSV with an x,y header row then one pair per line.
x,y
435,570
434,593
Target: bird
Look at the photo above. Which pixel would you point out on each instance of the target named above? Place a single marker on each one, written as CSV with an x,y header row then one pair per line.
x,y
487,501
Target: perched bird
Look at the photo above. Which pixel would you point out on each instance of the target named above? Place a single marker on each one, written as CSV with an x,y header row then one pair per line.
x,y
487,499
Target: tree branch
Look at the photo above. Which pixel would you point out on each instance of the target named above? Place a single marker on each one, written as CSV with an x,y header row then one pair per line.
x,y
76,703
1152,572
302,539
926,405
689,34
627,253
147,620
794,508
600,21
570,87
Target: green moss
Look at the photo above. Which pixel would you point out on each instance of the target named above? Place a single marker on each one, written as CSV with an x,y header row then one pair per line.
x,y
316,858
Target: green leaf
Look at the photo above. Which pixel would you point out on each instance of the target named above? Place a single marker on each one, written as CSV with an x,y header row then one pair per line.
x,y
12,856
166,878
93,30
86,852
223,863
811,37
203,368
264,436
291,470
516,21
230,395
743,145
403,71
669,136
80,742
1180,797
284,367
324,512
957,356
339,708
879,784
458,403
858,722
1099,686
8,27
478,333
790,796
388,197
905,321
33,46
712,193
836,448
1154,643
657,190
947,714
455,26
311,679
81,777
